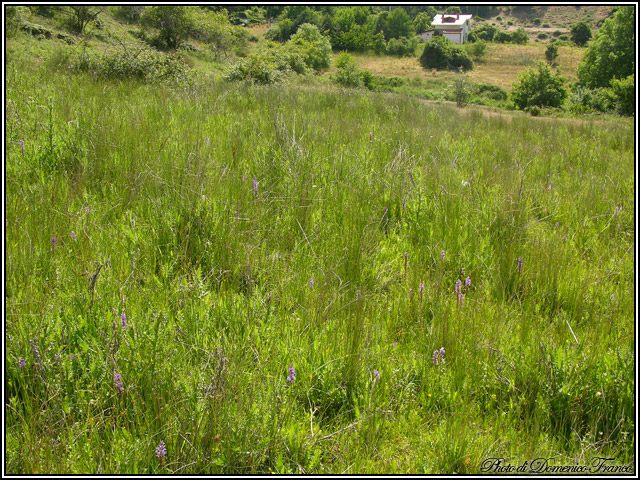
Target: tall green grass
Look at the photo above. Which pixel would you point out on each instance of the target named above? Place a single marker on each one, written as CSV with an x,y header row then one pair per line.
x,y
156,184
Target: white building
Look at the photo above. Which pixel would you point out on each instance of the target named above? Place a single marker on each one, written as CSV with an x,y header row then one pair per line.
x,y
454,26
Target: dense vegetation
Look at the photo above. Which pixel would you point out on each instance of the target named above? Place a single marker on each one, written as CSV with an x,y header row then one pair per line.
x,y
213,274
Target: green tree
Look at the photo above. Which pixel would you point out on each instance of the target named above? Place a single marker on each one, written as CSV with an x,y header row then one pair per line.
x,y
551,53
580,33
350,30
625,93
349,74
314,47
423,20
477,49
541,88
440,53
398,24
174,24
611,53
81,16
520,36
403,46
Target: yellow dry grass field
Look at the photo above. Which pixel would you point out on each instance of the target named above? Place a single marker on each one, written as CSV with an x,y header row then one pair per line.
x,y
501,65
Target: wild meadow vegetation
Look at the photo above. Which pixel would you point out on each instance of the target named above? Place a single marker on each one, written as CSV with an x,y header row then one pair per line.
x,y
210,276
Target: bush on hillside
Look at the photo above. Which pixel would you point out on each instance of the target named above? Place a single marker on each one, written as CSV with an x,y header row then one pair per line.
x,y
349,74
520,36
611,54
174,23
492,92
477,49
625,94
130,13
551,53
314,47
282,31
502,37
541,88
485,32
402,47
587,100
580,33
442,54
271,64
142,64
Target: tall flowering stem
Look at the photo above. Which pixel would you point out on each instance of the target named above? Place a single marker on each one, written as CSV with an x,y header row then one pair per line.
x,y
438,356
255,186
292,374
161,451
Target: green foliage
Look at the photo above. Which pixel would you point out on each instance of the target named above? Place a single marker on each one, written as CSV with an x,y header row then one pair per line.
x,y
403,46
502,37
520,36
270,64
349,73
541,88
398,25
542,36
580,33
215,30
551,53
440,53
173,24
484,32
585,100
131,13
142,64
492,92
625,93
476,50
537,21
462,89
292,17
314,46
423,20
81,15
611,54
350,30
13,18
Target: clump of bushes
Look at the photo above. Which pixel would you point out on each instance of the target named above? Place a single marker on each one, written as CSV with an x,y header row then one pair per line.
x,y
625,94
442,54
349,73
307,49
402,47
143,64
477,49
590,100
268,65
314,47
540,88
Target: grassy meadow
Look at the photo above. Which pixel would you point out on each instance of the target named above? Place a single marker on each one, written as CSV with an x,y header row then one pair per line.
x,y
259,277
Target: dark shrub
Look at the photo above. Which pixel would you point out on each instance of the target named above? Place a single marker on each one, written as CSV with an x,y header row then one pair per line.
x,y
440,53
